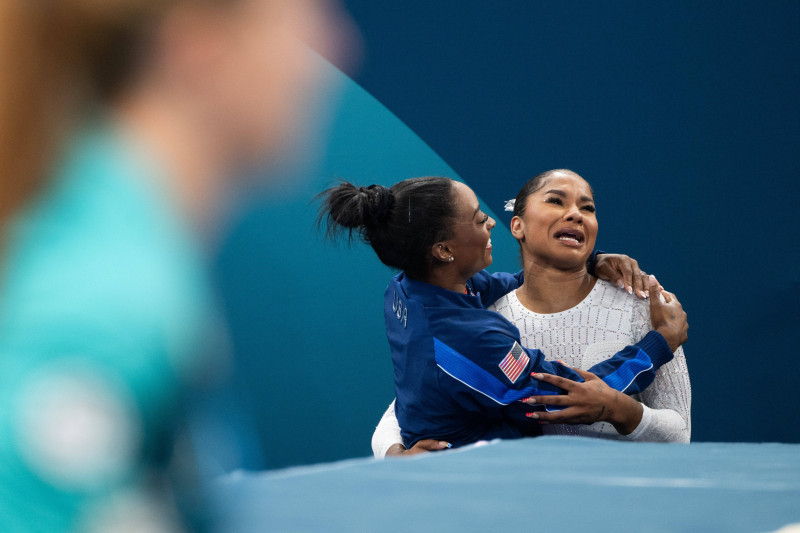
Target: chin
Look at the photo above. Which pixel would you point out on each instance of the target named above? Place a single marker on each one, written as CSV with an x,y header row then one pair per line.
x,y
482,265
570,261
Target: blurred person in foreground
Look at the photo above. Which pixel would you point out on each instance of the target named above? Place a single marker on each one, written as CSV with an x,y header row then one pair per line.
x,y
120,122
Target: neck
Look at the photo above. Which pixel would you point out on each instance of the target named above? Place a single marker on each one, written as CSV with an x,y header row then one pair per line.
x,y
193,161
446,278
548,289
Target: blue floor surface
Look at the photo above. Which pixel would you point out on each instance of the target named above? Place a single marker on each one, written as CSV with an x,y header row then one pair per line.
x,y
542,484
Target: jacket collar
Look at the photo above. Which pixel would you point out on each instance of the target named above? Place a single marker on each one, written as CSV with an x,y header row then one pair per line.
x,y
435,296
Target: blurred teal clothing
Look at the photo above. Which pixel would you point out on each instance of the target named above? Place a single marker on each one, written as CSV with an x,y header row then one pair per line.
x,y
101,283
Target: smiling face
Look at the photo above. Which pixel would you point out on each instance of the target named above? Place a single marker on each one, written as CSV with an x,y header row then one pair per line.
x,y
558,227
471,244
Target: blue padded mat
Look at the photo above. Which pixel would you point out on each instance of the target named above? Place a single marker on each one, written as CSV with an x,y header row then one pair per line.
x,y
542,484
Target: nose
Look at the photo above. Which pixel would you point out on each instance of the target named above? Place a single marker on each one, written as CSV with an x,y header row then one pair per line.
x,y
574,215
490,223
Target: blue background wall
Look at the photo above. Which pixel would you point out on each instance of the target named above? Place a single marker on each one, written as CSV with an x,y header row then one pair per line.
x,y
683,116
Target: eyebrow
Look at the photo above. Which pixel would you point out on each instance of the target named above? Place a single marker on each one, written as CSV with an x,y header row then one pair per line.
x,y
476,210
564,195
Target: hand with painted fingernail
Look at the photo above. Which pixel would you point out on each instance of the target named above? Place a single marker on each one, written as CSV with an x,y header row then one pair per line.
x,y
623,271
586,403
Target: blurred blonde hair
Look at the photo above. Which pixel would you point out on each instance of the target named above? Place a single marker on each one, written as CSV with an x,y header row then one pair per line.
x,y
56,58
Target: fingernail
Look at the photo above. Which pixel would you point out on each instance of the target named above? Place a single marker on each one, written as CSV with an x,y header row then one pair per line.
x,y
525,400
449,445
620,284
535,374
653,280
443,444
629,289
532,415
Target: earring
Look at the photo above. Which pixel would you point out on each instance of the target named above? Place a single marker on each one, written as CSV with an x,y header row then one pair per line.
x,y
452,259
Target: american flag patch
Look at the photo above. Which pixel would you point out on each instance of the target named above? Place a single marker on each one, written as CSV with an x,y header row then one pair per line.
x,y
514,363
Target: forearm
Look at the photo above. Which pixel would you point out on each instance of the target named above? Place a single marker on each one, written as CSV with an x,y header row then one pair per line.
x,y
664,411
660,425
491,288
632,369
387,434
624,413
669,401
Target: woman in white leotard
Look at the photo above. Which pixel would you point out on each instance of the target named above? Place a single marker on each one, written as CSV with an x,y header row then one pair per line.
x,y
572,316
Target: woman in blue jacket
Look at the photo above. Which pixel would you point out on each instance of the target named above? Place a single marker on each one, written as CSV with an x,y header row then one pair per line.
x,y
459,369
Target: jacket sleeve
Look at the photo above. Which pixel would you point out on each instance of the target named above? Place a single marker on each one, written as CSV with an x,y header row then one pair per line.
x,y
487,358
490,287
633,368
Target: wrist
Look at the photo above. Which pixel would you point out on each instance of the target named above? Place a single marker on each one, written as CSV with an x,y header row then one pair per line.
x,y
396,449
666,334
656,345
625,413
591,263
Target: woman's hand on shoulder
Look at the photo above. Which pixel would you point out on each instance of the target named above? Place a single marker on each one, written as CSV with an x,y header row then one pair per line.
x,y
624,272
586,403
667,315
423,446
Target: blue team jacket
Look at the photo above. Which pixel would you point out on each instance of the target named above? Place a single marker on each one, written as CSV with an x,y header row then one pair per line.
x,y
460,371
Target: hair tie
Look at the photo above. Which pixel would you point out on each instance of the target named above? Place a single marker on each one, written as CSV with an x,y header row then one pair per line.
x,y
381,200
510,205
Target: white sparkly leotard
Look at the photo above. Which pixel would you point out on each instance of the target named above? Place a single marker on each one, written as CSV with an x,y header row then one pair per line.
x,y
606,321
